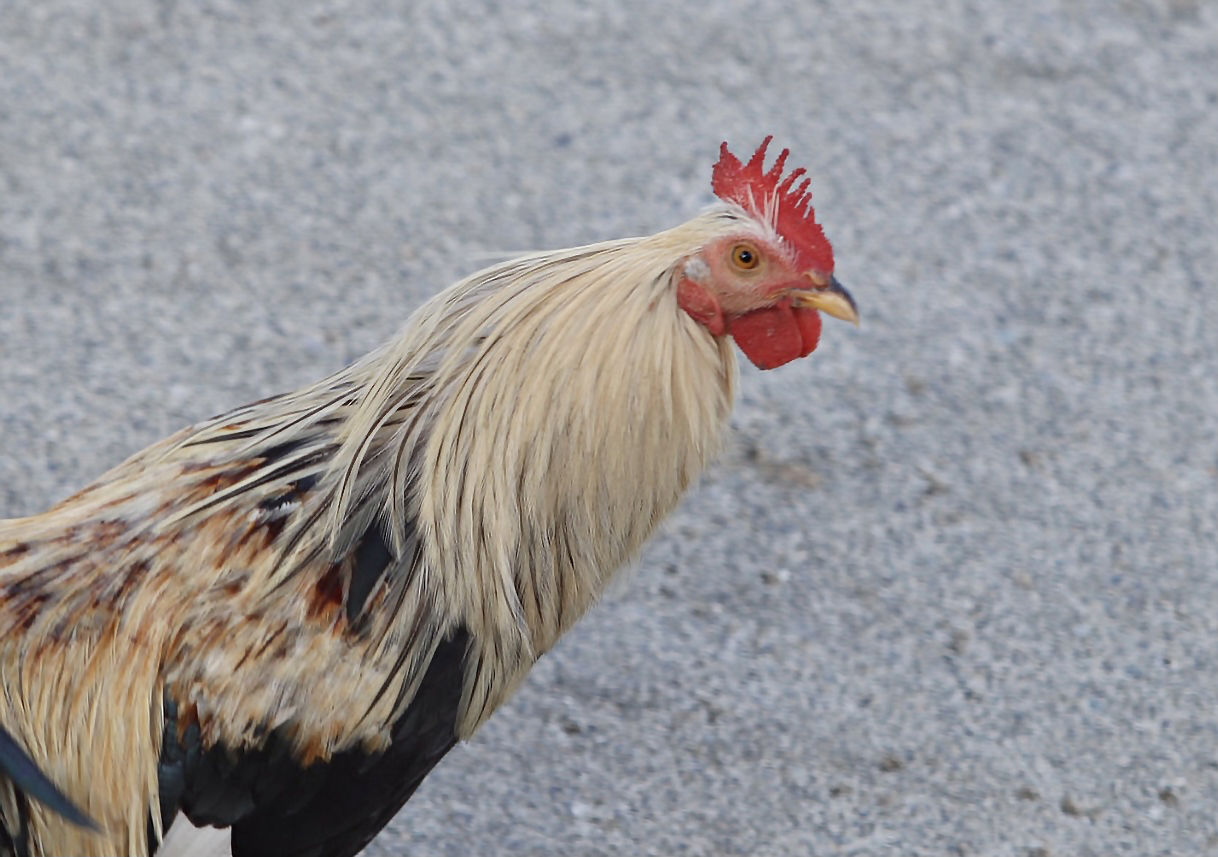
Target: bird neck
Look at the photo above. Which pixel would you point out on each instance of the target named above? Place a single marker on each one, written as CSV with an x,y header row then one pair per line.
x,y
559,406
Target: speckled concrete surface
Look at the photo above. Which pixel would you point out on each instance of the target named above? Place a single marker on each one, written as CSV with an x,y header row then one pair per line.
x,y
955,588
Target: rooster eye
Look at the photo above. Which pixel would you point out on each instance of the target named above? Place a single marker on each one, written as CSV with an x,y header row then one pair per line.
x,y
745,257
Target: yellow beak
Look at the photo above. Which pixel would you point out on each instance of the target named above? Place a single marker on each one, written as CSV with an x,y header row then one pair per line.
x,y
828,296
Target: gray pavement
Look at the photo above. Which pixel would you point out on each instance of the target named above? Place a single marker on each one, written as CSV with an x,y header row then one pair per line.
x,y
954,591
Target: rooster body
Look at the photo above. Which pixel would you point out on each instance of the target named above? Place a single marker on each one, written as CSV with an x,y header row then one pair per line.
x,y
280,620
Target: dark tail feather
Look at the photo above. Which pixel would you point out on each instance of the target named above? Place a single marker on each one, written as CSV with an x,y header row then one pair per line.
x,y
20,768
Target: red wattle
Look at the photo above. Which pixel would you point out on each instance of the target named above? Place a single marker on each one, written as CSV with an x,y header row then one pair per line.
x,y
776,335
808,321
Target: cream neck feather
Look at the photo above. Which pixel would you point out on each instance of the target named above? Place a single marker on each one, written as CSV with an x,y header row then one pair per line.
x,y
537,420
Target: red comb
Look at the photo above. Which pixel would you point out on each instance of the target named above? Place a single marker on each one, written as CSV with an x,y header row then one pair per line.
x,y
762,194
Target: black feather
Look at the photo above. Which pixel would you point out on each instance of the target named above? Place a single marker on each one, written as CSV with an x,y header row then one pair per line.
x,y
279,808
20,768
373,557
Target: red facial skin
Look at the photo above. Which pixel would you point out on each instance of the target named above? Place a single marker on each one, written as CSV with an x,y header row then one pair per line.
x,y
751,305
701,306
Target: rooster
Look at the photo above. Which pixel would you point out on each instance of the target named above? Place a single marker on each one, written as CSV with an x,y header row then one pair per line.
x,y
279,620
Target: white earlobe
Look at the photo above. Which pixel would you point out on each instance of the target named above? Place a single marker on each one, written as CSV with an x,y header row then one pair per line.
x,y
696,269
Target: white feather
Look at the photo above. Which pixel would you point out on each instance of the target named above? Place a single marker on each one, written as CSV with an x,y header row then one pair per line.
x,y
186,840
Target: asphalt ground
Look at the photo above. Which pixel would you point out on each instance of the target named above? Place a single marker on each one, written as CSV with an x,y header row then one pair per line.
x,y
953,590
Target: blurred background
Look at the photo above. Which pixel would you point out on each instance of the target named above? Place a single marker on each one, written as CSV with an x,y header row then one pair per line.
x,y
954,588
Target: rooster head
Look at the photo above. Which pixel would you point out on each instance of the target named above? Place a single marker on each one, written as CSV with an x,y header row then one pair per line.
x,y
766,282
